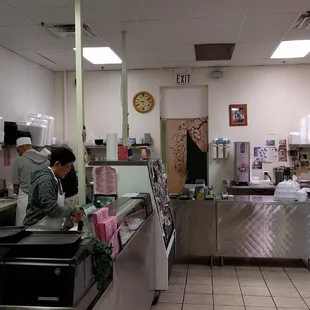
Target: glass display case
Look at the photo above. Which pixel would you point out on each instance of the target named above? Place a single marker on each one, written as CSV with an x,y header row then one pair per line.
x,y
131,213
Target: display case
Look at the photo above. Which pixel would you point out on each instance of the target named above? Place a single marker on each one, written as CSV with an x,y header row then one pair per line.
x,y
131,213
141,177
159,180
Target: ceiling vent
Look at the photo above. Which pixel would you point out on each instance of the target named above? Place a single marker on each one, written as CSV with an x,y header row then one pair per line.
x,y
214,52
65,31
303,21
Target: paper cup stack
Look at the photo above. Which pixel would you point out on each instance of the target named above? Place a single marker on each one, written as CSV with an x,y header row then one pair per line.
x,y
303,131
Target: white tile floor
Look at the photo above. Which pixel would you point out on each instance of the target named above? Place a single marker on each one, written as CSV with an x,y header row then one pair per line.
x,y
199,287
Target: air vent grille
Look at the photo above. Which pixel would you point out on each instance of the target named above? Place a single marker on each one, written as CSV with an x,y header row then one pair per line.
x,y
214,52
303,21
64,31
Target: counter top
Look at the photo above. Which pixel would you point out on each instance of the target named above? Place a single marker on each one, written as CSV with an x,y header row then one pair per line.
x,y
258,199
240,199
7,204
252,186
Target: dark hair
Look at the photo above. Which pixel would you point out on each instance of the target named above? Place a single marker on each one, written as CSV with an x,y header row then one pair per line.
x,y
62,154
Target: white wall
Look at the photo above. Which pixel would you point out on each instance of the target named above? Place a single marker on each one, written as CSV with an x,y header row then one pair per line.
x,y
277,97
184,102
24,87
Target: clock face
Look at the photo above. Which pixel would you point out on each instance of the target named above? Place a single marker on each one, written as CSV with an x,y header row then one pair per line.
x,y
143,102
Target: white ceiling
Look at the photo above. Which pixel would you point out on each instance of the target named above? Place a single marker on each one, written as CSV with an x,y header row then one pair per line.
x,y
160,33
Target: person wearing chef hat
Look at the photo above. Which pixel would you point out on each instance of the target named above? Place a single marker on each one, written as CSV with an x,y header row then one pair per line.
x,y
28,161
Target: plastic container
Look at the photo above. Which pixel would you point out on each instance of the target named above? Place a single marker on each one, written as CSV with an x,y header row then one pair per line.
x,y
302,196
286,190
11,191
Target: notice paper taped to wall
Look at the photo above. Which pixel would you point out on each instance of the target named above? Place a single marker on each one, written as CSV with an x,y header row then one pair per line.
x,y
265,154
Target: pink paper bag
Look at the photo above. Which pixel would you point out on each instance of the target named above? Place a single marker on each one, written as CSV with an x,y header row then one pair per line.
x,y
99,216
108,233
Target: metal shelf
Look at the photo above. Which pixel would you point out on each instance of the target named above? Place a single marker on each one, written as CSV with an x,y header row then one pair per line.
x,y
298,146
104,146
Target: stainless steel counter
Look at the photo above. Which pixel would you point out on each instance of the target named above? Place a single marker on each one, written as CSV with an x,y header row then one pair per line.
x,y
133,273
261,227
195,227
248,226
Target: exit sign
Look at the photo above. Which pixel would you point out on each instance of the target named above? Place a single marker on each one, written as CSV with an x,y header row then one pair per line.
x,y
183,76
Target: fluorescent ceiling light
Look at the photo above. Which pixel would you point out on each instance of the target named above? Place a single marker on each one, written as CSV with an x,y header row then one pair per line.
x,y
292,49
100,55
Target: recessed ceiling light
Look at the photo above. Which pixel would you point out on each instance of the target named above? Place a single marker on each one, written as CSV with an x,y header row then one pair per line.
x,y
100,55
292,49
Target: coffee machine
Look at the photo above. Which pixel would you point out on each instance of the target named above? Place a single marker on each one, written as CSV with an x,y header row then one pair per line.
x,y
242,163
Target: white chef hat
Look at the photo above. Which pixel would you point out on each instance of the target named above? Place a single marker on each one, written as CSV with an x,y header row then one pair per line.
x,y
23,141
45,152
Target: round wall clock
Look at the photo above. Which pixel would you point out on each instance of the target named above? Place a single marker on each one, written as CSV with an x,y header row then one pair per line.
x,y
143,102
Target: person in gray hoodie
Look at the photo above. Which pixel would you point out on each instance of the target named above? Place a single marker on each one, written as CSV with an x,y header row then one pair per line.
x,y
28,161
46,197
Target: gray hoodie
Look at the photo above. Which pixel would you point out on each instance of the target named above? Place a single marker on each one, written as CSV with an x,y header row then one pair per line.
x,y
42,199
25,165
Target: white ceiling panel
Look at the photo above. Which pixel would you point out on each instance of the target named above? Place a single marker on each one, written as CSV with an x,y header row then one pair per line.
x,y
215,30
111,10
51,15
28,37
176,53
59,56
266,28
207,8
33,56
37,3
163,9
66,63
191,31
276,6
142,54
267,62
11,17
298,34
135,54
111,33
258,50
167,31
87,42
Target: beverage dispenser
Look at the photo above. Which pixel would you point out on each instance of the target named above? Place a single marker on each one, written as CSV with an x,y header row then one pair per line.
x,y
242,162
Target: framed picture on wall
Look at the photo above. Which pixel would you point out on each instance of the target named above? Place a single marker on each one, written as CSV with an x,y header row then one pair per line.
x,y
238,115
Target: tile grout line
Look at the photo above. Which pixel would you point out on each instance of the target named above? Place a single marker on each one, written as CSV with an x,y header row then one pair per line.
x,y
240,288
296,288
184,292
212,285
261,271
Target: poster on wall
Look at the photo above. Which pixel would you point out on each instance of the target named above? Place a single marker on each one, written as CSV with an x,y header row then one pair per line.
x,y
304,162
282,142
282,154
265,154
282,150
271,142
